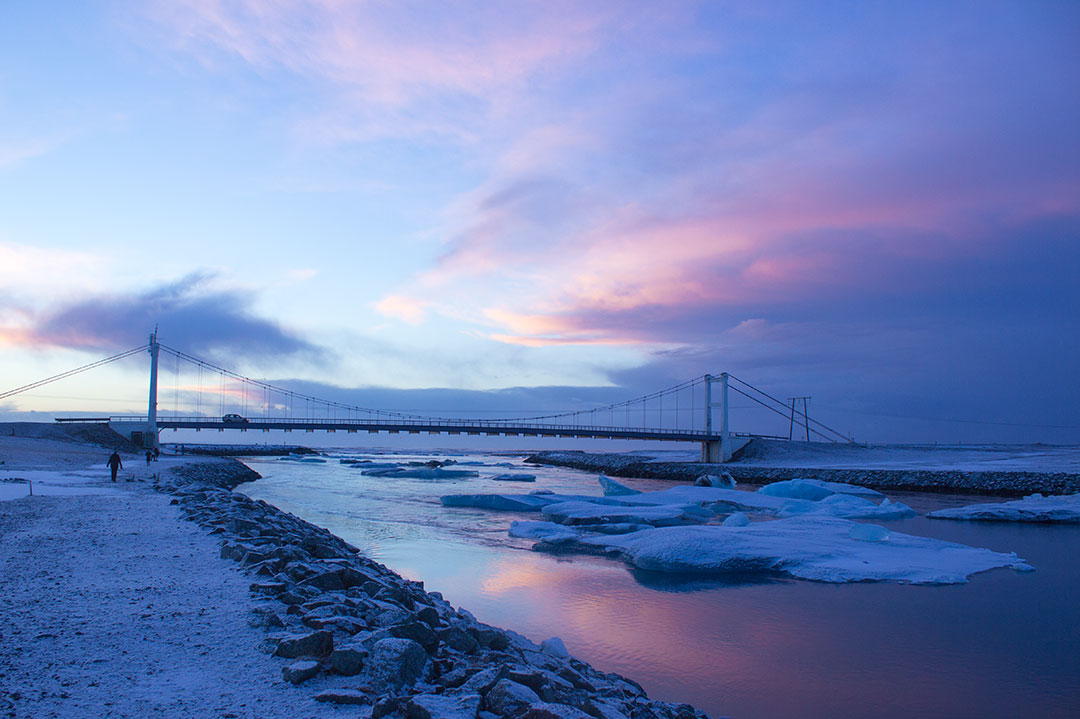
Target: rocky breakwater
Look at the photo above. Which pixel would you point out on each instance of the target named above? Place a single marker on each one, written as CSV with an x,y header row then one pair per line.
x,y
359,634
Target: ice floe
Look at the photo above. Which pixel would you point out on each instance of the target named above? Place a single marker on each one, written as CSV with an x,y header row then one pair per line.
x,y
421,473
815,548
666,515
615,489
814,489
512,477
847,507
1032,508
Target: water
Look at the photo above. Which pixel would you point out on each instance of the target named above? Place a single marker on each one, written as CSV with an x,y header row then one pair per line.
x,y
1005,644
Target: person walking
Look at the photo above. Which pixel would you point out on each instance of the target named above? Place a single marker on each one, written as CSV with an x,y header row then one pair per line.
x,y
115,464
149,456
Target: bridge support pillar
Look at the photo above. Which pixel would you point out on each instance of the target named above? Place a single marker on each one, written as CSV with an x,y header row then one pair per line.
x,y
149,437
716,451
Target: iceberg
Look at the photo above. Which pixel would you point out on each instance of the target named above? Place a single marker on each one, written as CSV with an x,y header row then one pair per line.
x,y
421,473
543,531
815,548
511,477
1064,509
738,519
847,507
814,489
505,502
591,513
615,489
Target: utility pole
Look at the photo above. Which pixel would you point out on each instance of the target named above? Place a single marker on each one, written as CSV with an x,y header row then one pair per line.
x,y
806,417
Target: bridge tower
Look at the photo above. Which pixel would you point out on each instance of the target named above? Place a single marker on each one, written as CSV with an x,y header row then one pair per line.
x,y
719,449
150,436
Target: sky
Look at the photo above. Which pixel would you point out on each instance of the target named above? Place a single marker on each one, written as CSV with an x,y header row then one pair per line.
x,y
552,205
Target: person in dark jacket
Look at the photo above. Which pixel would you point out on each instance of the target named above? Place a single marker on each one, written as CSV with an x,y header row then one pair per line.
x,y
115,464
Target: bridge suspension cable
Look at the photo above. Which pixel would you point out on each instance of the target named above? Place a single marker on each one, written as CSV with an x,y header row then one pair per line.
x,y
826,432
73,372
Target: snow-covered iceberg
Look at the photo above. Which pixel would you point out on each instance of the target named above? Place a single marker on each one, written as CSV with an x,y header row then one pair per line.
x,y
615,489
504,502
814,489
1033,508
513,477
666,515
421,473
815,548
543,531
847,507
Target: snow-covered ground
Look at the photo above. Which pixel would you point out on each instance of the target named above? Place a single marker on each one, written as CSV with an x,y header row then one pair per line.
x,y
975,458
113,605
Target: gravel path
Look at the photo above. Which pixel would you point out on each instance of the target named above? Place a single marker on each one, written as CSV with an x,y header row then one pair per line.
x,y
114,606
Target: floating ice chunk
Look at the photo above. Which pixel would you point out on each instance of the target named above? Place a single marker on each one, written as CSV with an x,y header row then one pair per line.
x,y
847,507
591,513
721,481
421,473
868,533
814,489
543,531
541,491
615,489
511,477
738,519
554,647
505,502
1033,508
723,500
815,548
313,460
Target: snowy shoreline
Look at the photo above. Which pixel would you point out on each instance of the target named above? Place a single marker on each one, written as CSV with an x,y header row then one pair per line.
x,y
1006,483
352,630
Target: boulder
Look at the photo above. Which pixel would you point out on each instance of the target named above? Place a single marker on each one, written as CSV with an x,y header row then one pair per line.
x,y
441,706
343,696
543,710
315,644
299,671
394,663
508,697
348,659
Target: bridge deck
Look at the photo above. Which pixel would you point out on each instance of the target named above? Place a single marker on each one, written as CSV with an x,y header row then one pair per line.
x,y
478,428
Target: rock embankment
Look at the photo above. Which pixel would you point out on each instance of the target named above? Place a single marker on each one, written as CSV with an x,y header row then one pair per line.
x,y
224,473
240,450
379,641
1001,483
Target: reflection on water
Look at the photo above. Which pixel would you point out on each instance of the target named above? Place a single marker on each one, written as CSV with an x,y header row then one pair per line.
x,y
1005,644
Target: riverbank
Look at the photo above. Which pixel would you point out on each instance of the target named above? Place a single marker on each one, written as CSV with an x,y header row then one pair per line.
x,y
143,614
763,462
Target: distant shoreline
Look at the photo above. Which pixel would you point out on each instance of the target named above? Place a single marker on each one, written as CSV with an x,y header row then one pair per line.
x,y
991,482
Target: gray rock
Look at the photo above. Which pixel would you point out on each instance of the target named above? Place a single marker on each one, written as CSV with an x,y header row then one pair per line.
x,y
349,659
482,681
299,671
459,640
508,697
263,616
394,663
315,644
344,696
440,706
327,581
543,710
419,633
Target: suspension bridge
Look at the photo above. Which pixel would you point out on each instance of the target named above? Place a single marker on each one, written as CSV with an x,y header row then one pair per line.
x,y
215,398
